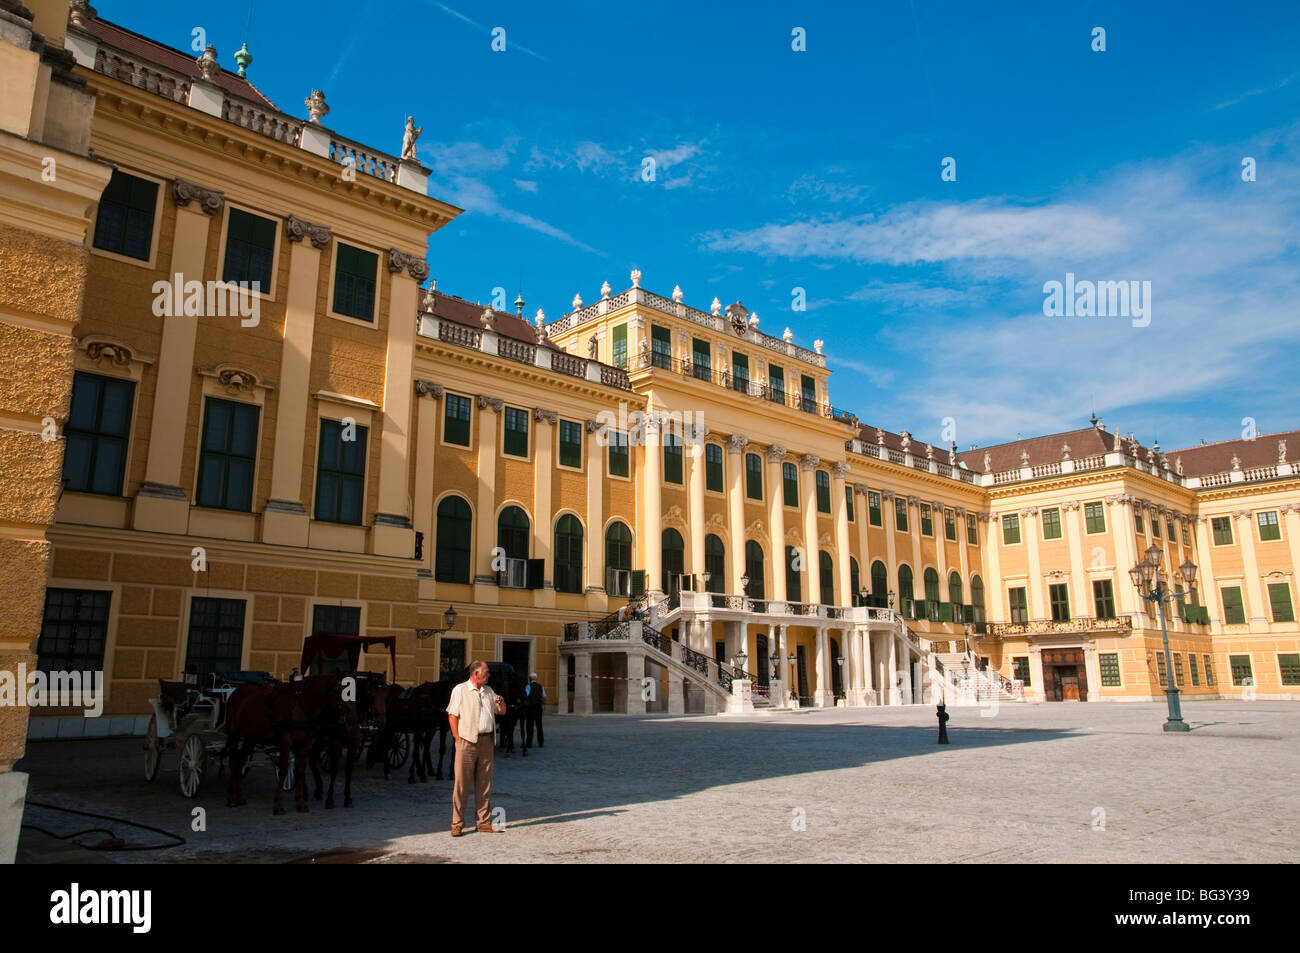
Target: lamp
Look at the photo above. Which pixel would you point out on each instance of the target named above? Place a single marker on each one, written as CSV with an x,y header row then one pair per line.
x,y
1144,574
865,593
744,584
449,620
1153,555
891,598
741,659
1188,569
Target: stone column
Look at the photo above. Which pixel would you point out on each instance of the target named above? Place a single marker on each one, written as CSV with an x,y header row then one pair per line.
x,y
393,534
286,519
1126,554
485,517
864,517
894,696
823,696
594,571
649,538
676,694
812,563
840,515
1036,673
162,504
1208,587
995,590
776,519
1092,667
1039,607
695,508
582,700
736,444
868,668
426,451
544,422
636,670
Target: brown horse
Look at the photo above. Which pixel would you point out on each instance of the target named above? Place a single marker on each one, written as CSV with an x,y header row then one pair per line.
x,y
338,730
421,710
286,715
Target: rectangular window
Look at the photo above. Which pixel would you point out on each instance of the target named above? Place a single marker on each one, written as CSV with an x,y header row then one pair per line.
x,y
1178,660
74,631
1059,595
927,521
1139,525
1187,534
713,467
124,224
1162,676
1222,526
1169,529
1289,665
98,428
1279,598
1241,672
1019,605
250,249
515,443
848,502
740,372
972,534
1109,664
1194,670
570,444
701,359
1209,670
1234,612
1103,597
341,473
1020,669
1155,527
1095,517
455,420
620,346
216,637
1052,523
900,514
950,525
776,383
661,346
753,476
672,458
618,455
1010,529
1269,529
808,394
355,274
227,459
823,491
790,481
874,515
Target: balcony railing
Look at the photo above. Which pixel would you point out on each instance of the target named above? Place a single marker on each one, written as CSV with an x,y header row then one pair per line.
x,y
517,350
1120,624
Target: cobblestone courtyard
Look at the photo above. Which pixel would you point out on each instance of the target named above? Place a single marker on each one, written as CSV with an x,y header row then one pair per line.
x,y
1047,783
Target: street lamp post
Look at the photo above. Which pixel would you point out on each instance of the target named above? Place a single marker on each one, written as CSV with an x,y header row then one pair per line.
x,y
1150,583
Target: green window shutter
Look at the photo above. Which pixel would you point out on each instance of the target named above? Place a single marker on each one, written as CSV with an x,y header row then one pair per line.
x,y
535,573
1279,597
355,275
516,432
823,491
1289,665
638,583
672,459
790,479
945,612
776,382
620,346
713,467
570,444
753,476
1203,615
1109,664
1234,612
618,454
250,249
455,420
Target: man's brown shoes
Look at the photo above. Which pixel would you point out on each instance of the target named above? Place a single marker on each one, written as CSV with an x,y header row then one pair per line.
x,y
456,832
489,830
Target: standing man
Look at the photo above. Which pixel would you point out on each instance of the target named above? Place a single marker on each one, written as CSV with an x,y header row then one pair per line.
x,y
472,713
533,711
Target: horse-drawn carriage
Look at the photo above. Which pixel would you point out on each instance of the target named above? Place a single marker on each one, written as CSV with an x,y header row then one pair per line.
x,y
190,718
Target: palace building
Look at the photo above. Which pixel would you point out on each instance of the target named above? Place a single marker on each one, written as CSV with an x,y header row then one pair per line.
x,y
360,453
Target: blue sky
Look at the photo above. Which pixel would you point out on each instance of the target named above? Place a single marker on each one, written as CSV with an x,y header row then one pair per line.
x,y
820,169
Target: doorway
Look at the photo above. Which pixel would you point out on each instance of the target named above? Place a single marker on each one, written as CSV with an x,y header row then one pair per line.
x,y
1064,675
805,700
762,667
518,655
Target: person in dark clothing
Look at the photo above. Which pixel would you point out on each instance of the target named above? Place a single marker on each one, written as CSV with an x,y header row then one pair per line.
x,y
534,698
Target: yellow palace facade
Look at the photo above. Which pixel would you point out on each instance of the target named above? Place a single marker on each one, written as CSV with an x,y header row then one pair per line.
x,y
342,448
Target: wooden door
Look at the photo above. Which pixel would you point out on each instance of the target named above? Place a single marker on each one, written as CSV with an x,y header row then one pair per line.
x,y
1069,683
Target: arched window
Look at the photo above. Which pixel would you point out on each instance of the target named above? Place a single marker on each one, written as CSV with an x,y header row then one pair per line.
x,y
754,569
455,527
954,588
793,588
932,595
827,572
568,554
715,564
905,590
879,585
512,532
673,554
618,560
855,583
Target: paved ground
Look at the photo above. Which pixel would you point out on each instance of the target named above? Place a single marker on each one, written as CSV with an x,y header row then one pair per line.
x,y
1046,783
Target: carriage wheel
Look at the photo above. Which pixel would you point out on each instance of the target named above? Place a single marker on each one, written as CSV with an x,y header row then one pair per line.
x,y
399,750
152,750
194,762
287,783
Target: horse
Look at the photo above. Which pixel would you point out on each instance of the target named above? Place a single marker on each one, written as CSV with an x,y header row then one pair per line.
x,y
371,705
506,682
286,714
421,710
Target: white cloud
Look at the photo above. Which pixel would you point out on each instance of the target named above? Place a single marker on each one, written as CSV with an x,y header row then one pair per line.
x,y
526,186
